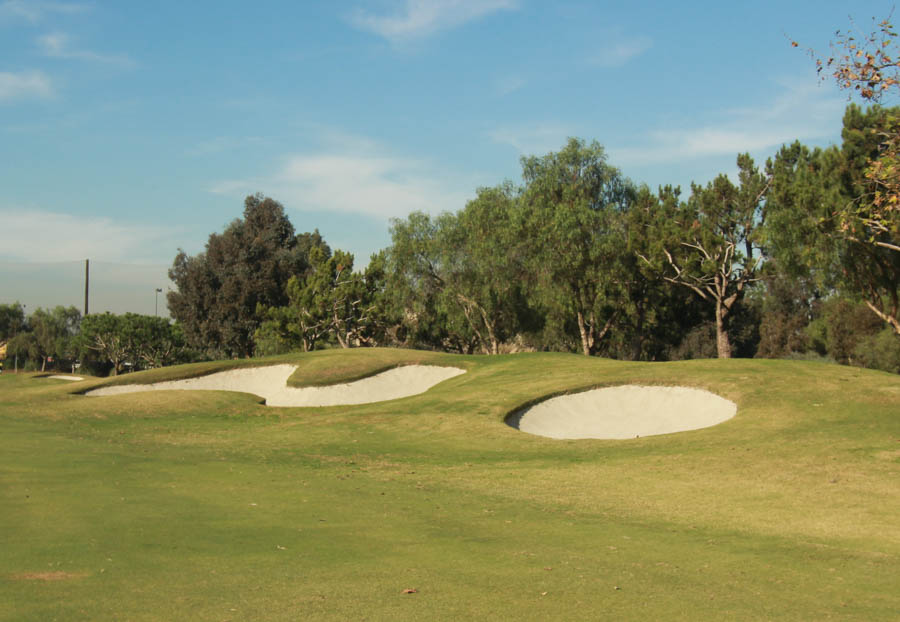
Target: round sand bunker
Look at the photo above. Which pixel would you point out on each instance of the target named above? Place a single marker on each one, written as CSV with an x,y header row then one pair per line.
x,y
270,383
622,412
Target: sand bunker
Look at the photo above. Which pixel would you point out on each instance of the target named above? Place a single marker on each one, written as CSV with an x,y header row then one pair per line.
x,y
624,412
62,377
271,383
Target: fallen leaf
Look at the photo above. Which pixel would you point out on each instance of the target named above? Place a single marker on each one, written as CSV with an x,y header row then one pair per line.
x,y
409,590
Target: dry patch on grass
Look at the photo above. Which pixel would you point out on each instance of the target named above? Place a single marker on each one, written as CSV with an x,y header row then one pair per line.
x,y
890,455
56,575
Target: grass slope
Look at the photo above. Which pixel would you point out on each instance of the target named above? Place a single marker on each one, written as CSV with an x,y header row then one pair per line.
x,y
210,506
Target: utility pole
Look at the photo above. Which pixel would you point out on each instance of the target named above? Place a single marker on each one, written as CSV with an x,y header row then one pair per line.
x,y
87,276
156,302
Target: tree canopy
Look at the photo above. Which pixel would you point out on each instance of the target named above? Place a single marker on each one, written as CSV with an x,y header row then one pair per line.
x,y
244,268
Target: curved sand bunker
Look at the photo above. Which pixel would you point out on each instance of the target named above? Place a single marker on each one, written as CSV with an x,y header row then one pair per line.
x,y
66,377
271,383
622,412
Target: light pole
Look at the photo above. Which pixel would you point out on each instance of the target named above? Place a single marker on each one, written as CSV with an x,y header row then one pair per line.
x,y
156,302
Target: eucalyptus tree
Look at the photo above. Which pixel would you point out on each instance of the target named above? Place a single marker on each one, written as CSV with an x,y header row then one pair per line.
x,y
241,270
483,268
426,264
712,244
571,206
463,269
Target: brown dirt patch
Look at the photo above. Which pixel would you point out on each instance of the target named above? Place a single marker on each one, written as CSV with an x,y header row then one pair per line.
x,y
57,575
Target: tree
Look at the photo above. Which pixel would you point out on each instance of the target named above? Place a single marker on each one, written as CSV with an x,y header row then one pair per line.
x,y
154,341
430,314
139,340
569,208
104,333
243,269
868,64
485,265
330,300
712,243
52,333
653,317
466,265
12,320
811,187
334,298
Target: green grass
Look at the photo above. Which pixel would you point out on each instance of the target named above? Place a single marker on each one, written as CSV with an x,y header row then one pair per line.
x,y
210,506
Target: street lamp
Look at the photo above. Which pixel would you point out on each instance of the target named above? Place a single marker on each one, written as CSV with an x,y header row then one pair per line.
x,y
156,302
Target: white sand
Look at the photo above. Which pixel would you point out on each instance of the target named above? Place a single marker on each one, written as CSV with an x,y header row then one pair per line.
x,y
62,377
271,383
625,412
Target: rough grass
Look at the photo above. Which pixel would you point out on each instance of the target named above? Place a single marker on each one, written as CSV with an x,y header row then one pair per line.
x,y
210,506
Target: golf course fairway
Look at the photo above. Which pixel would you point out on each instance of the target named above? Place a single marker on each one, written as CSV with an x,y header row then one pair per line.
x,y
209,505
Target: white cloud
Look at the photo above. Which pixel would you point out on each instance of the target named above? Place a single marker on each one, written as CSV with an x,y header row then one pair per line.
x,y
35,11
355,176
533,139
420,18
39,235
24,85
617,53
797,114
57,45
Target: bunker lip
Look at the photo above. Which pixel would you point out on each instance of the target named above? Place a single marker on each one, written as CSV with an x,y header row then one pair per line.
x,y
622,412
270,383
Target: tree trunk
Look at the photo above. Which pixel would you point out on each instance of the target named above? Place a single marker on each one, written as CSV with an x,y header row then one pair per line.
x,y
585,336
637,342
723,345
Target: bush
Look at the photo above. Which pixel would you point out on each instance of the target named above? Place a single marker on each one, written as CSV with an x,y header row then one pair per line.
x,y
880,351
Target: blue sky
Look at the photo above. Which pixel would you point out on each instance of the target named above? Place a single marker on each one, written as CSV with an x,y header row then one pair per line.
x,y
129,130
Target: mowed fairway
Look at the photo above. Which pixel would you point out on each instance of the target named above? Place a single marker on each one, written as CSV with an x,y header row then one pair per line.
x,y
211,506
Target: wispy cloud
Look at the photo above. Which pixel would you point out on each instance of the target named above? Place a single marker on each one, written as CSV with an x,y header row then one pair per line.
x,y
421,18
24,85
509,84
619,51
533,139
798,114
58,45
356,176
53,236
34,11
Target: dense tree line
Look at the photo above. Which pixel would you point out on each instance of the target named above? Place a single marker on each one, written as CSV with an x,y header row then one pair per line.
x,y
779,262
60,339
578,258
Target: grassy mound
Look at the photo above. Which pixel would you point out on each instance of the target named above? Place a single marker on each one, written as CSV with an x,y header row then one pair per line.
x,y
209,506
